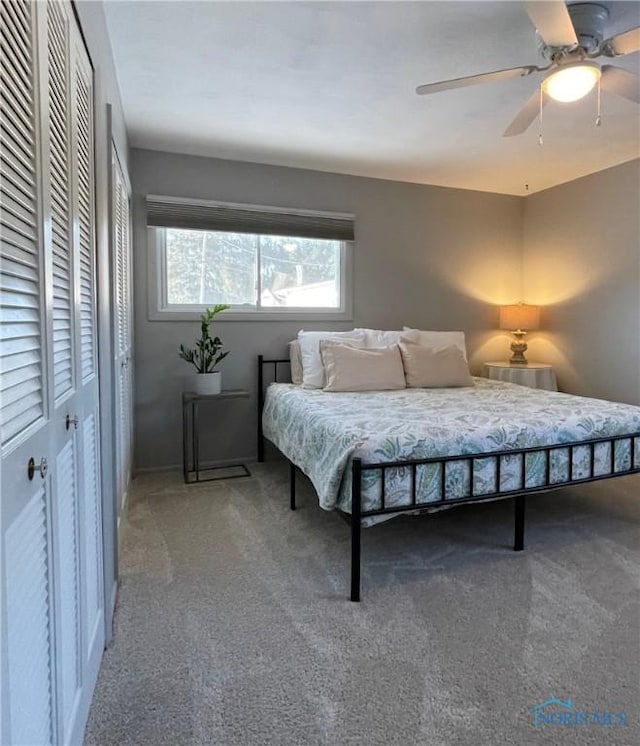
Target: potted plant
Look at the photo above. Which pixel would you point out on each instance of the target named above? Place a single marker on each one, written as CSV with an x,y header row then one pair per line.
x,y
206,355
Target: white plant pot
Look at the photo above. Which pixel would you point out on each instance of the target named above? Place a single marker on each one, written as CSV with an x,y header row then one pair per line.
x,y
207,383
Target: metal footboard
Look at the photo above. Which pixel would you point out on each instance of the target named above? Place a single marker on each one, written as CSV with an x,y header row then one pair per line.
x,y
358,468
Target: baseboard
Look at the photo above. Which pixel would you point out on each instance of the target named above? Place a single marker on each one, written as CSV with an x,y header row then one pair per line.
x,y
122,507
203,465
125,497
112,605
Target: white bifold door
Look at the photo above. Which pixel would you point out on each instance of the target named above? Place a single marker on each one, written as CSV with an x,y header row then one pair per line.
x,y
51,537
122,343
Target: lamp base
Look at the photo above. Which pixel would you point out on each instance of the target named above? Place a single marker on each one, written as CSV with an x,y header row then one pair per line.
x,y
519,347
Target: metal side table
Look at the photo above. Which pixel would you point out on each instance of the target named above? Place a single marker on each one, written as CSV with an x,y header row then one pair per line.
x,y
191,468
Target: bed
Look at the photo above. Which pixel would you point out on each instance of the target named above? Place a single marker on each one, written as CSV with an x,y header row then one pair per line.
x,y
375,455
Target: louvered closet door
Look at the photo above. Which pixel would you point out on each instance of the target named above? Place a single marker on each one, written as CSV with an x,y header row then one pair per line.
x,y
59,198
123,336
86,370
69,194
27,690
51,536
77,527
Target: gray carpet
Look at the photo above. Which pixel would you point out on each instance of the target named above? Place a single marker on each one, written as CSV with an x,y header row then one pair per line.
x,y
233,625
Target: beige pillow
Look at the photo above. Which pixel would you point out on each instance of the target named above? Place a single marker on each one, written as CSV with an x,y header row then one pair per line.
x,y
361,369
312,367
295,361
435,339
434,367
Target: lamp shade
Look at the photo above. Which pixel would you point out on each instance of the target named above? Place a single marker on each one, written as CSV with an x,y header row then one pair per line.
x,y
521,316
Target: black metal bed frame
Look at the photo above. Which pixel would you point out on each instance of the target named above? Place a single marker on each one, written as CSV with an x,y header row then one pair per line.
x,y
359,467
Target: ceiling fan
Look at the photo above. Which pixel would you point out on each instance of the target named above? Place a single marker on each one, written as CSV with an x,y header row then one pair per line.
x,y
571,38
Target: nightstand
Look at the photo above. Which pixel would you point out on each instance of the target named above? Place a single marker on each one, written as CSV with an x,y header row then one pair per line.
x,y
534,375
192,469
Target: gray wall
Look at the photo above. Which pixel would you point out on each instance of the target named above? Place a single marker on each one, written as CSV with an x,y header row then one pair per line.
x,y
581,259
427,256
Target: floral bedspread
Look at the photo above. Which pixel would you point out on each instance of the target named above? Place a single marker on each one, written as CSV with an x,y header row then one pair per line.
x,y
321,432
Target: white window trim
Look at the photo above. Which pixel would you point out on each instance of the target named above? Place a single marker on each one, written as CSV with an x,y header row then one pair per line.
x,y
159,310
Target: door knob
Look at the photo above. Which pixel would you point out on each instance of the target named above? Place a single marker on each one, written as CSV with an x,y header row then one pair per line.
x,y
42,468
72,421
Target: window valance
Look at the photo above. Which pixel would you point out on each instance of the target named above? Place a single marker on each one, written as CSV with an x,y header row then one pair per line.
x,y
172,212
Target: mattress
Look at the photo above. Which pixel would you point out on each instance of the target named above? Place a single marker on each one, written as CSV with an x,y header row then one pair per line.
x,y
322,432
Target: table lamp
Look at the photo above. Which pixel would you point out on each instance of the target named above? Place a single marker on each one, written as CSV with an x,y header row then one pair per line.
x,y
519,319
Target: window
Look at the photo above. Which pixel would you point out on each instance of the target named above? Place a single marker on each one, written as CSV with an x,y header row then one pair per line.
x,y
259,273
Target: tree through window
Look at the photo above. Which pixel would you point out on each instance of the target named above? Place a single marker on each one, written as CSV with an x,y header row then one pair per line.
x,y
251,271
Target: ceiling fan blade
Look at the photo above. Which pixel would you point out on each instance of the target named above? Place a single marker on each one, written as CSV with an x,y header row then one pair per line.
x,y
553,22
447,85
622,82
526,115
625,43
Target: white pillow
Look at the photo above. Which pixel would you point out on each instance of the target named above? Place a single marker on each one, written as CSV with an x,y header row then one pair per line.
x,y
380,338
295,362
436,339
434,367
312,368
361,369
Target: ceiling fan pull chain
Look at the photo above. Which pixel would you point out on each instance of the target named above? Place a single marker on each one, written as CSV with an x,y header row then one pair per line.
x,y
540,139
598,118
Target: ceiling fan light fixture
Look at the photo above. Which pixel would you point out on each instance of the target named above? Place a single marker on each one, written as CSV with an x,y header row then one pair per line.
x,y
571,82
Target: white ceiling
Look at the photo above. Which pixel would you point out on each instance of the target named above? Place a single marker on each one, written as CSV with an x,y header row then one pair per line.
x,y
331,86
